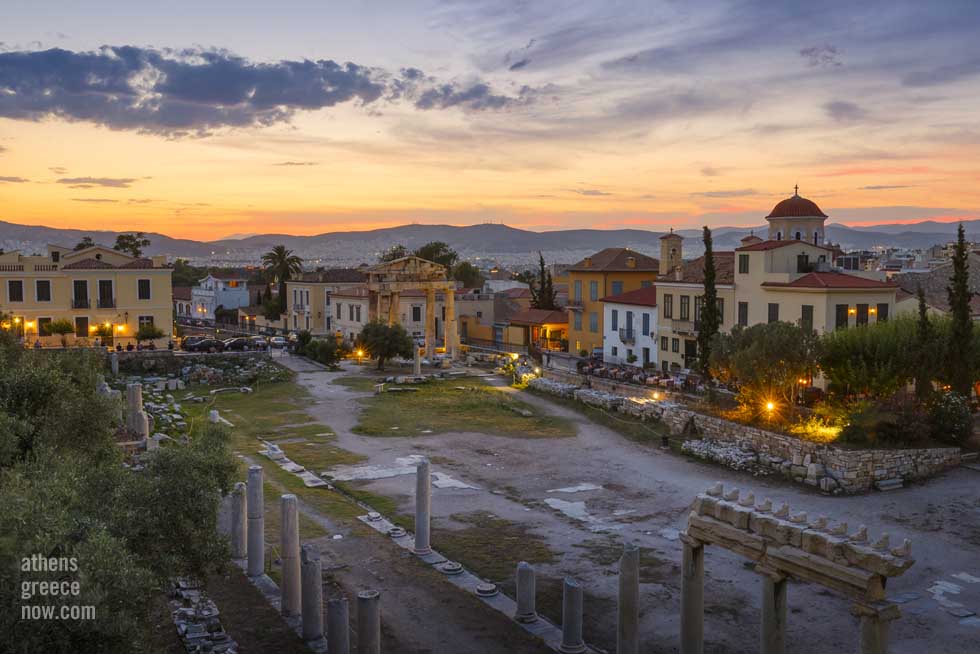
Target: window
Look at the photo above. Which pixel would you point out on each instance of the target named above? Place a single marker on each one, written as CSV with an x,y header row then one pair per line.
x,y
743,264
773,312
803,263
646,357
806,317
593,291
55,257
646,283
105,294
42,290
145,320
615,350
615,320
617,288
81,327
350,311
15,290
675,345
358,313
798,236
339,314
578,290
646,324
862,314
664,343
685,307
668,306
743,314
80,289
593,322
43,326
577,320
882,312
479,314
840,318
417,314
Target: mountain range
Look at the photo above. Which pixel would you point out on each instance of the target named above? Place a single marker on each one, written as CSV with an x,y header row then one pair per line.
x,y
498,242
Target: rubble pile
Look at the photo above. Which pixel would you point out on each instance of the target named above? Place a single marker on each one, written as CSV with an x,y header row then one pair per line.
x,y
234,371
600,399
553,387
197,621
726,454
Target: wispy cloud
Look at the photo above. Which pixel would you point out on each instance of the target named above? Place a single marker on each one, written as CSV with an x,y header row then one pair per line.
x,y
876,170
95,200
592,192
845,112
58,170
296,163
821,56
91,182
13,180
884,187
736,193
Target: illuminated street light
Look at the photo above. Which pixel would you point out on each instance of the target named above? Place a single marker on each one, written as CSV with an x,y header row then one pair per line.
x,y
770,406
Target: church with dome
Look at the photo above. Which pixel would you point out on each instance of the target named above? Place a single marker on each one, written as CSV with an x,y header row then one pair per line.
x,y
790,276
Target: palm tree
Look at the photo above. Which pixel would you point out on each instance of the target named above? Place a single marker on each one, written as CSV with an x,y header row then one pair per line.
x,y
280,265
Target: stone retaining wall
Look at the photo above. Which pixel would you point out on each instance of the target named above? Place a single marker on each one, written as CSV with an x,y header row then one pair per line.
x,y
831,468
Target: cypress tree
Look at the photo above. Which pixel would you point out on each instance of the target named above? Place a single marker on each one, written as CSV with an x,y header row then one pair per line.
x,y
960,351
925,363
710,318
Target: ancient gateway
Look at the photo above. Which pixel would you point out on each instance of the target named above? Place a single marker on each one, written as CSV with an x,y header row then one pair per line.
x,y
386,281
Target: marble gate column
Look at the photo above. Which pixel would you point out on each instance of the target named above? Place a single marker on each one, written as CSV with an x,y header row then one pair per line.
x,y
394,301
692,596
430,323
773,636
874,626
452,335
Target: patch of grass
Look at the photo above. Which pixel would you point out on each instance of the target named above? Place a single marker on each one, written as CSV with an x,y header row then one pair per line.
x,y
653,569
443,406
317,457
490,545
308,529
598,629
359,383
632,428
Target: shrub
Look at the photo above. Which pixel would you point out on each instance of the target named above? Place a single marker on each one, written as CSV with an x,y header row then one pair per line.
x,y
303,340
893,421
148,333
950,418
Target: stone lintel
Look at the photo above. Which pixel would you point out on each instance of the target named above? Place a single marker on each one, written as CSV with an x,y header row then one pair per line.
x,y
884,611
689,540
716,532
858,584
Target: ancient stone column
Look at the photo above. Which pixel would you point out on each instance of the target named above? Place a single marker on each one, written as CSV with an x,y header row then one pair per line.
x,y
430,323
214,417
773,636
368,622
239,522
394,302
256,522
692,596
137,421
526,592
571,618
452,336
423,507
289,552
338,626
874,626
312,582
417,365
628,623
114,363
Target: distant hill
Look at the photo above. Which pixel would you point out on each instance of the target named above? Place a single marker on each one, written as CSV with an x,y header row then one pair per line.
x,y
499,242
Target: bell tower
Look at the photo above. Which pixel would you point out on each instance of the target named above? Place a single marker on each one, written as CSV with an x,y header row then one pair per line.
x,y
670,252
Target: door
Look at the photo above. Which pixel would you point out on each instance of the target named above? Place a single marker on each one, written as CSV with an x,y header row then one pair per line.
x,y
80,297
690,352
105,294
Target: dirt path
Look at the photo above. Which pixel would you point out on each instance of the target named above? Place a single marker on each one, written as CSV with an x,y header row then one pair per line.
x,y
628,491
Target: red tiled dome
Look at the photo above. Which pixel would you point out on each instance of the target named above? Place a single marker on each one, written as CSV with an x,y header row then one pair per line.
x,y
796,207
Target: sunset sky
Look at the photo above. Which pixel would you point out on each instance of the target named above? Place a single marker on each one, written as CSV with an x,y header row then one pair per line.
x,y
202,120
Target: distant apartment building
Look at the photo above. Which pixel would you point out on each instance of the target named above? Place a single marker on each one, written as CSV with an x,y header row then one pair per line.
x,y
104,294
227,291
789,277
350,313
309,299
630,321
612,271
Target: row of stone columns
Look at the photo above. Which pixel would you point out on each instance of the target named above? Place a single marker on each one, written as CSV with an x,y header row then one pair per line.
x,y
301,590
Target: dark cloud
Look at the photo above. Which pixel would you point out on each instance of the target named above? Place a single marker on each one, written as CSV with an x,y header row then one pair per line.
x,y
94,200
845,112
194,91
592,192
821,56
296,163
13,180
90,182
520,64
737,193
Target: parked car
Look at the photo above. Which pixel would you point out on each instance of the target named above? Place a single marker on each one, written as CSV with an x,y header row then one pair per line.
x,y
259,343
277,342
191,340
238,343
206,345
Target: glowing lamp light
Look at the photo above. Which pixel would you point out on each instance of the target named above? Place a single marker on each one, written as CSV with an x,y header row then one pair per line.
x,y
770,406
537,371
514,355
360,353
852,311
656,395
16,321
121,328
92,328
29,324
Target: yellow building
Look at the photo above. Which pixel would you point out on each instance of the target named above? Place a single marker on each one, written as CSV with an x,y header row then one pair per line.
x,y
103,293
609,272
779,279
309,304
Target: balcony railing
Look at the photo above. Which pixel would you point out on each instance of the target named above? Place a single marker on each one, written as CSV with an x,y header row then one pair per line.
x,y
686,326
107,303
300,308
80,303
549,344
627,336
11,267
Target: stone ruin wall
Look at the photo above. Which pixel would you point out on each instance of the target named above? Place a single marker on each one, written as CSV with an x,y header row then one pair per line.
x,y
826,466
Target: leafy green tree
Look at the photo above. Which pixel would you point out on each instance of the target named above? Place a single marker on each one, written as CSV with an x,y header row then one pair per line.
x,y
62,327
960,350
710,320
271,309
86,242
873,360
467,274
543,294
326,351
185,274
132,244
148,332
925,351
397,251
438,252
383,341
280,266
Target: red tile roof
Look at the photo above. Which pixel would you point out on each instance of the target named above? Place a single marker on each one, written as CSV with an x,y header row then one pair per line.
x,y
138,263
519,291
774,244
832,280
796,207
540,317
646,297
692,272
182,293
615,260
88,264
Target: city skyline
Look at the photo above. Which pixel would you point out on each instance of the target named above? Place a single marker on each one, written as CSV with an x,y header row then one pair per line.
x,y
361,116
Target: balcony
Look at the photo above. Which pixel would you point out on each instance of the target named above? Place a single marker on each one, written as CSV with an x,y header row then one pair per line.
x,y
107,303
300,308
686,326
627,336
551,344
81,303
11,267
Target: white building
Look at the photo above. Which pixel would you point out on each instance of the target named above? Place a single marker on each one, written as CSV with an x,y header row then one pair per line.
x,y
350,312
630,323
218,290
